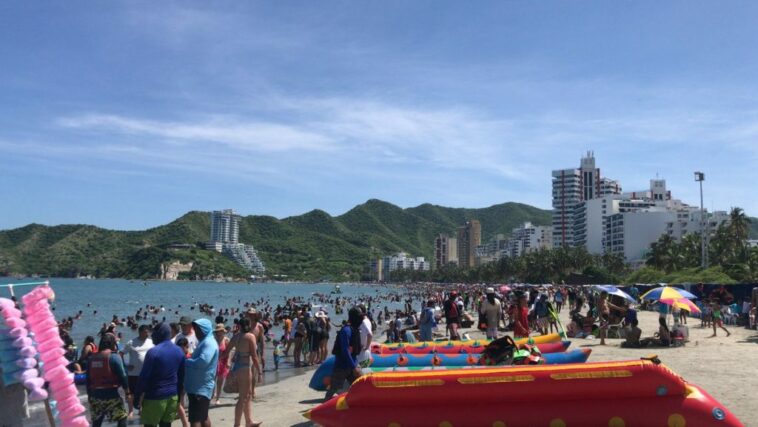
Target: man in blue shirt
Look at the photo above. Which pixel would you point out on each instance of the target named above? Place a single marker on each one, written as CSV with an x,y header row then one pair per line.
x,y
346,348
200,374
161,379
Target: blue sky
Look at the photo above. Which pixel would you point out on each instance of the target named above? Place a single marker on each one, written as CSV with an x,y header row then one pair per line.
x,y
127,115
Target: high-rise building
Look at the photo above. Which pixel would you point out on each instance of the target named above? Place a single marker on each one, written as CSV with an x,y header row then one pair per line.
x,y
225,231
469,237
225,227
572,187
445,250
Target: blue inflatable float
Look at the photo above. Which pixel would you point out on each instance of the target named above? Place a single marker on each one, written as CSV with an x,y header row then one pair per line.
x,y
322,375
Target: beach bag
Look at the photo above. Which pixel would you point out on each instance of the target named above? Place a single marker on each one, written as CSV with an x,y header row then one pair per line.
x,y
499,352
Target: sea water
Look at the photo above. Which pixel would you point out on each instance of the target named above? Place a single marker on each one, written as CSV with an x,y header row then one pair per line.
x,y
124,297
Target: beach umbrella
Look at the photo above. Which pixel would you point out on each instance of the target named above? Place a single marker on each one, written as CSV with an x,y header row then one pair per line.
x,y
667,292
505,288
682,303
612,290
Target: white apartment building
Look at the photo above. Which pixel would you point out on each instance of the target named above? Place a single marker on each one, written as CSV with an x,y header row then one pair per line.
x,y
624,223
688,220
491,251
528,238
572,187
631,233
399,261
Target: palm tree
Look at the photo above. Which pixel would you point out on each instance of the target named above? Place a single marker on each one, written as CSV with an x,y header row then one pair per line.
x,y
739,224
665,254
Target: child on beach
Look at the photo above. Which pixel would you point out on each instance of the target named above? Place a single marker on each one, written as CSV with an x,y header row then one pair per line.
x,y
716,310
278,354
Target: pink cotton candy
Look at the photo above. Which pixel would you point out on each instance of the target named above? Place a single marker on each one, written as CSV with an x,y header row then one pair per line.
x,y
18,332
56,373
37,395
26,363
15,322
5,302
22,342
67,382
68,401
35,295
10,312
48,366
28,351
34,383
49,345
66,392
38,310
42,335
26,374
79,421
42,323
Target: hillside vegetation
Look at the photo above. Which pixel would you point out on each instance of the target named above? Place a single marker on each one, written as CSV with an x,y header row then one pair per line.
x,y
311,246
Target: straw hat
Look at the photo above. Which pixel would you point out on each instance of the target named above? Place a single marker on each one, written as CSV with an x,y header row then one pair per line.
x,y
220,327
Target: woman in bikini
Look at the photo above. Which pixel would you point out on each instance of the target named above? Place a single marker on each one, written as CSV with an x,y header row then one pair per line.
x,y
247,369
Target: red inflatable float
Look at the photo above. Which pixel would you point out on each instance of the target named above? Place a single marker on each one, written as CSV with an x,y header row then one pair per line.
x,y
615,394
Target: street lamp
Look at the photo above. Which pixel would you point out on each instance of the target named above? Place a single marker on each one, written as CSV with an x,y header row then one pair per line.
x,y
700,177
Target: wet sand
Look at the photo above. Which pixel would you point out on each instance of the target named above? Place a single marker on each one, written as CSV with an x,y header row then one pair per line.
x,y
727,368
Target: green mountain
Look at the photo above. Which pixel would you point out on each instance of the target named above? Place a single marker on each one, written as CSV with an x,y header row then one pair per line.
x,y
309,246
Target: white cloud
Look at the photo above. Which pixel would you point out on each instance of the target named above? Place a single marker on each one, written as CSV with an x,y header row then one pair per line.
x,y
236,134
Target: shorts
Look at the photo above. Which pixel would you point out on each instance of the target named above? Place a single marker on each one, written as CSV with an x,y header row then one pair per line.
x,y
198,408
113,409
133,380
155,412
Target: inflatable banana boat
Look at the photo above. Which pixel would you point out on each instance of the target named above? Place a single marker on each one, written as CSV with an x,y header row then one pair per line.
x,y
322,375
612,394
477,348
388,348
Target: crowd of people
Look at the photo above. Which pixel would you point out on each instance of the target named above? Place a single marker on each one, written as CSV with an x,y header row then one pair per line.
x,y
177,371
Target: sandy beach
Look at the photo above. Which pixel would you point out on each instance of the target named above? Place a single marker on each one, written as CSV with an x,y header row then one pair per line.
x,y
723,366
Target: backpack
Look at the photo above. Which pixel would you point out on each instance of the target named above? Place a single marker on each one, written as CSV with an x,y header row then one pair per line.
x,y
499,352
452,309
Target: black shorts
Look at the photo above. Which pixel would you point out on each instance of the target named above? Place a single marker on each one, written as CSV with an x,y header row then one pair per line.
x,y
198,408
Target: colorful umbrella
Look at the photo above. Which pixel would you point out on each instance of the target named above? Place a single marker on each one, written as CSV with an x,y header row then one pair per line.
x,y
505,288
667,292
682,303
612,290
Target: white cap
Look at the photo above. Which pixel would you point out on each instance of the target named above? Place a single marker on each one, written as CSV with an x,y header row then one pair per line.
x,y
490,290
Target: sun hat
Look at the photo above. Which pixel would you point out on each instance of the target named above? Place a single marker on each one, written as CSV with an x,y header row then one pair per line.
x,y
220,327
